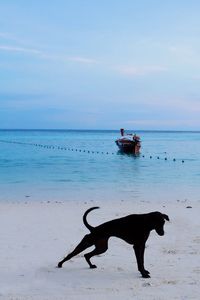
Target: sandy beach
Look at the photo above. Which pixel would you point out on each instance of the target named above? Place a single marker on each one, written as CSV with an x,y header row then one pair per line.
x,y
36,235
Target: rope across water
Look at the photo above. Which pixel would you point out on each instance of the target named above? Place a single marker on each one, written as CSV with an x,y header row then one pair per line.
x,y
62,148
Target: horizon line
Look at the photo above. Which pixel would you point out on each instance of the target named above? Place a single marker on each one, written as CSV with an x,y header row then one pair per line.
x,y
85,129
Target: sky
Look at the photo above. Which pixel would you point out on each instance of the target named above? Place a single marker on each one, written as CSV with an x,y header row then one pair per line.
x,y
103,64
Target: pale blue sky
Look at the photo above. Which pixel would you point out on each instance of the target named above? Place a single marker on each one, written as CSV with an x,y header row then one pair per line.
x,y
100,64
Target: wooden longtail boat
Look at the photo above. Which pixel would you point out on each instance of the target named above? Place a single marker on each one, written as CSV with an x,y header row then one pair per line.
x,y
129,143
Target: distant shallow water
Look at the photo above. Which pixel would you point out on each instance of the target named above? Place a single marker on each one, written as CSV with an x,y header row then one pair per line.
x,y
86,164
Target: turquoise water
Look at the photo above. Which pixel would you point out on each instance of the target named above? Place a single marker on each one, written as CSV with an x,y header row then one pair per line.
x,y
87,165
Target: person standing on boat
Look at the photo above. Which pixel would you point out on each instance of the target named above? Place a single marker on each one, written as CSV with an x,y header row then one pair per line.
x,y
125,135
122,131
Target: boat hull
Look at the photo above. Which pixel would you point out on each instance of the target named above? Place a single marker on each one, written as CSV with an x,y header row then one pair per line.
x,y
128,146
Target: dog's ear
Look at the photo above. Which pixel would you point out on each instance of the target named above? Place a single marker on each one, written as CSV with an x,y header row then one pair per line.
x,y
165,217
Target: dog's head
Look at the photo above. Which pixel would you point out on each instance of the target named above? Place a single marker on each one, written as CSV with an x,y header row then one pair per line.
x,y
159,221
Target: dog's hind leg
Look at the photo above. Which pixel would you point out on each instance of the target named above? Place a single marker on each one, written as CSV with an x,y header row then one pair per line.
x,y
84,244
100,247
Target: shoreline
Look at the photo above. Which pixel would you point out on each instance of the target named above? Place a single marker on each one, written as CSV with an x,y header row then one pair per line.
x,y
101,196
36,235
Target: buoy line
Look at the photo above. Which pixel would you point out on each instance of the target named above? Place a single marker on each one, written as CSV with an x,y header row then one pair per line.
x,y
64,148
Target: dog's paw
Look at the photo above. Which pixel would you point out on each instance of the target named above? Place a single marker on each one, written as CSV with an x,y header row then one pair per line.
x,y
59,265
145,275
93,267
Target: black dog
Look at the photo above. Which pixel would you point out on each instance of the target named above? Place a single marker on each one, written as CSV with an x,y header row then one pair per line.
x,y
133,229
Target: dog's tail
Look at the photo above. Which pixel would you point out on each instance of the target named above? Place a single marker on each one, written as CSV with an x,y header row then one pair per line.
x,y
85,218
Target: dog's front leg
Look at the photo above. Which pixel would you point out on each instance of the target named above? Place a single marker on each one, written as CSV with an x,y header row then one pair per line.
x,y
139,253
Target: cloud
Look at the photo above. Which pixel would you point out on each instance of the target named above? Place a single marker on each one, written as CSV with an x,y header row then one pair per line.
x,y
83,60
43,55
39,53
167,123
9,37
19,49
140,71
181,50
186,54
126,70
22,101
64,58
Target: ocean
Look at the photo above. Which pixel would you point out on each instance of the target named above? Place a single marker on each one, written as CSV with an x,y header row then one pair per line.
x,y
58,165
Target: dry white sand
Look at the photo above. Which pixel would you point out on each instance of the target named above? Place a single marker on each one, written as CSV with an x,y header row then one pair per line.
x,y
35,236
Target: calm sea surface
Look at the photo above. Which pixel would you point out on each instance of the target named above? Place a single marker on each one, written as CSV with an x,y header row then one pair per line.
x,y
82,164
